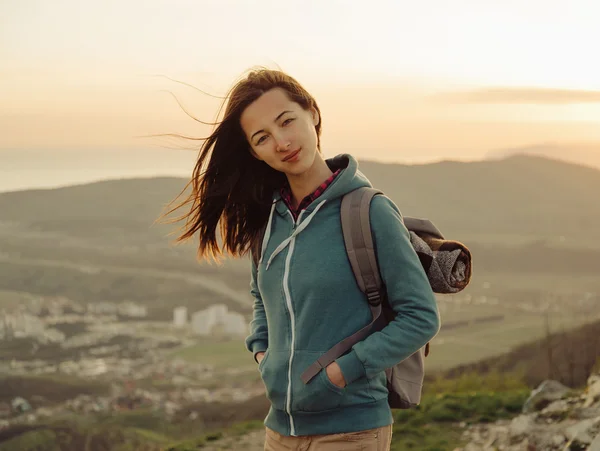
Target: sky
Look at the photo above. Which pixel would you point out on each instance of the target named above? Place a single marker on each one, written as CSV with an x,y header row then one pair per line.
x,y
395,80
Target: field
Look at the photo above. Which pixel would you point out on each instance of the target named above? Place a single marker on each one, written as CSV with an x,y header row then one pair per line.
x,y
479,341
568,283
227,354
455,346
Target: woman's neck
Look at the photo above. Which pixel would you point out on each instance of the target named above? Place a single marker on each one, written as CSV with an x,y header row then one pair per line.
x,y
305,184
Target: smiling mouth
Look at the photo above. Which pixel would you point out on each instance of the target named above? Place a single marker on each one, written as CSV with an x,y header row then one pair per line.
x,y
292,155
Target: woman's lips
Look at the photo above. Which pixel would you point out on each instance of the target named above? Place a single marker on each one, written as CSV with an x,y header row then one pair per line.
x,y
293,156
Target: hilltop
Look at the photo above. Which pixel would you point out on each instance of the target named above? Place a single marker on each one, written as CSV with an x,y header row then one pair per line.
x,y
587,154
522,195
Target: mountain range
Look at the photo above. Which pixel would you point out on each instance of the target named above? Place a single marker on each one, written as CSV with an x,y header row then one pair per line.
x,y
521,197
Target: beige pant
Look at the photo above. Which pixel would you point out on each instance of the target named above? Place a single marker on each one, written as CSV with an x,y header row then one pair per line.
x,y
378,439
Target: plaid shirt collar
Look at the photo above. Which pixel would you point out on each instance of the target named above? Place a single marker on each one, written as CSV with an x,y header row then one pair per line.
x,y
286,195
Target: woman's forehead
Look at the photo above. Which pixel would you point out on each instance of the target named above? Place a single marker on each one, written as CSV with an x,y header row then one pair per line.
x,y
268,107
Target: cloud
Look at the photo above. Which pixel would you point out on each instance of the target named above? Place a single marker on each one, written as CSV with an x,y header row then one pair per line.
x,y
516,95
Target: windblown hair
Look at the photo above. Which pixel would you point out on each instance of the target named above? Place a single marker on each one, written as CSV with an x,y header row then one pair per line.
x,y
230,188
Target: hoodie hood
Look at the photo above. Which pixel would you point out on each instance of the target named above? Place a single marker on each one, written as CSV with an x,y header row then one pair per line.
x,y
349,179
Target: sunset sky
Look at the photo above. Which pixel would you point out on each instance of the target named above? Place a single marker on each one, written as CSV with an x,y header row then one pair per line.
x,y
396,80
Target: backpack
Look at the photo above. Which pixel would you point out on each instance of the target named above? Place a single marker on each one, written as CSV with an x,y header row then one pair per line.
x,y
405,379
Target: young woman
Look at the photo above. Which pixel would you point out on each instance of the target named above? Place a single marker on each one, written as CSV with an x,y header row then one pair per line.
x,y
262,170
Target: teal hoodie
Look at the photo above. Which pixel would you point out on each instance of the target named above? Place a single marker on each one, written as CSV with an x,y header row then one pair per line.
x,y
306,300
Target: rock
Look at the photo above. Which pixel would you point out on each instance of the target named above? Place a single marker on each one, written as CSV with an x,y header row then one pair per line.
x,y
544,394
582,413
594,379
556,410
595,446
524,445
581,431
520,426
576,445
558,440
497,436
592,394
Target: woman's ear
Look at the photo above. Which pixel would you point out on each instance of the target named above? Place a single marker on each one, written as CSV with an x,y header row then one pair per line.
x,y
315,116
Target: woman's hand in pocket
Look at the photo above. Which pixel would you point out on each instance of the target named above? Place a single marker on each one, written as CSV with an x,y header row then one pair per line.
x,y
259,357
335,375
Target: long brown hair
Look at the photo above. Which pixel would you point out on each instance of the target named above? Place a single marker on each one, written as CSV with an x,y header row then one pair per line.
x,y
229,187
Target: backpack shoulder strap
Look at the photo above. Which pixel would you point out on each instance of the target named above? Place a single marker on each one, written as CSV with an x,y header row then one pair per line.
x,y
356,228
358,238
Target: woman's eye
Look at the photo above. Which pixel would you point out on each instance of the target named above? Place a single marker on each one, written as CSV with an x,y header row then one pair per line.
x,y
261,140
287,121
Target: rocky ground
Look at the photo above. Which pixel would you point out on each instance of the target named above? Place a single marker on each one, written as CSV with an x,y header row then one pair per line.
x,y
553,419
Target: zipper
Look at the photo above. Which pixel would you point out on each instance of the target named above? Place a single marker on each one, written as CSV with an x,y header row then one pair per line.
x,y
288,299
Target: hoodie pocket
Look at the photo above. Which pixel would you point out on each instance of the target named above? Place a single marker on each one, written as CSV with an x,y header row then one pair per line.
x,y
273,370
263,361
320,394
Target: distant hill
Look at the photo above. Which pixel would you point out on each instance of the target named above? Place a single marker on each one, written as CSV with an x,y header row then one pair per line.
x,y
517,196
522,195
130,205
584,154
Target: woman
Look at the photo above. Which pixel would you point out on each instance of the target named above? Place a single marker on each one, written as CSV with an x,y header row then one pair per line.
x,y
262,169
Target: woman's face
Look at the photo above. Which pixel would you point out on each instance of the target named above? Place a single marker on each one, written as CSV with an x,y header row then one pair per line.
x,y
281,133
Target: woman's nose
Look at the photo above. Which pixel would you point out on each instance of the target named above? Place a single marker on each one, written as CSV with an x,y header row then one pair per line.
x,y
283,144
